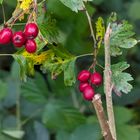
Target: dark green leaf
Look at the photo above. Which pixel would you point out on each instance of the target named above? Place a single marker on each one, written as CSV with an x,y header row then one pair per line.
x,y
35,90
40,129
62,135
119,115
86,132
3,89
59,116
49,30
22,63
127,132
121,79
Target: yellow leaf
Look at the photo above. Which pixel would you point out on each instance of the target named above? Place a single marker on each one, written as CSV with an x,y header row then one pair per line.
x,y
37,59
100,31
25,4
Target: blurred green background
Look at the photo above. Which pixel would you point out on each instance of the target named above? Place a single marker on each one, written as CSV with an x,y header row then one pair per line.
x,y
48,109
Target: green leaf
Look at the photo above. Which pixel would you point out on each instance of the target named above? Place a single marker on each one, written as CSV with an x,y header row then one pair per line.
x,y
49,30
121,37
35,90
75,5
60,60
69,73
121,79
22,63
3,89
1,1
40,129
86,132
18,134
62,135
119,115
60,116
127,132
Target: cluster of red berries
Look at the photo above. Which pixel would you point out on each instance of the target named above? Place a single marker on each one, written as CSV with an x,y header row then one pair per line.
x,y
86,81
21,38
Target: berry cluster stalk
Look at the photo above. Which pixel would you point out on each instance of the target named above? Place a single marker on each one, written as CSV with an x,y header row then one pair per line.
x,y
108,130
108,86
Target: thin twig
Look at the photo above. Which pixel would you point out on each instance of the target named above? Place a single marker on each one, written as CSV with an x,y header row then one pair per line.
x,y
91,28
97,103
108,83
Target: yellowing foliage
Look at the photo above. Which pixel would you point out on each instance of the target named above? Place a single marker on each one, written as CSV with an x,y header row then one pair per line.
x,y
25,4
37,59
100,31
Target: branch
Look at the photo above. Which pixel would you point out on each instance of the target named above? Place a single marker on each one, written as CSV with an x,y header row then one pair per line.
x,y
108,84
101,117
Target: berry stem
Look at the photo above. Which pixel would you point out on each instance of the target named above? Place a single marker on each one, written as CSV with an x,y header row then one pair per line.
x,y
97,103
108,83
91,28
3,12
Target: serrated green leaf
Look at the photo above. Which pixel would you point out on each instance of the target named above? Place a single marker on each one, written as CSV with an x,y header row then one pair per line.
x,y
121,37
69,73
35,90
22,63
75,5
60,60
18,134
49,30
121,79
60,116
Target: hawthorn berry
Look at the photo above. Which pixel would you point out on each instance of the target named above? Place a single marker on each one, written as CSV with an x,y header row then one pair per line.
x,y
88,93
31,30
83,76
96,78
82,86
30,46
5,36
18,39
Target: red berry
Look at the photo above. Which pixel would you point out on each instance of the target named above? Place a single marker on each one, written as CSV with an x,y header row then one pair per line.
x,y
96,78
5,36
18,39
82,86
30,46
84,75
31,31
88,93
